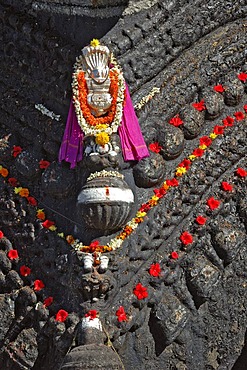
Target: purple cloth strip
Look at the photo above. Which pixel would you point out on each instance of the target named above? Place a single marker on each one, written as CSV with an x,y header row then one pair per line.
x,y
133,145
71,147
132,141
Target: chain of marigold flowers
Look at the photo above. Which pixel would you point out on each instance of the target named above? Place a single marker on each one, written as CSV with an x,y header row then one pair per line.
x,y
117,241
139,291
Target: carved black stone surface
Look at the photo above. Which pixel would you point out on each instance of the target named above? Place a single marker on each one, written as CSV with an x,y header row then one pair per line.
x,y
195,314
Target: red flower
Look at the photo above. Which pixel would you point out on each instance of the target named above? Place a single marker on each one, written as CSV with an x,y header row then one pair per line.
x,y
12,181
93,246
213,203
13,254
140,291
200,106
241,172
172,182
61,315
144,207
198,152
205,140
38,285
25,271
245,108
160,192
155,147
176,121
1,234
155,269
44,164
92,314
185,163
48,301
16,151
239,116
186,238
226,186
174,255
48,223
121,315
201,220
228,121
219,88
242,76
32,201
218,130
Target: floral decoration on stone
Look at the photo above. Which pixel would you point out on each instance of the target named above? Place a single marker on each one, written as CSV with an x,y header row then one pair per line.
x,y
155,269
61,315
121,314
155,147
140,291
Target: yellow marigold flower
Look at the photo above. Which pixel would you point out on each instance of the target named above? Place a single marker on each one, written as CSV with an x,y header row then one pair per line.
x,y
154,197
165,186
52,228
141,214
61,235
4,172
203,146
101,126
181,171
40,214
24,192
192,157
17,190
94,42
213,136
102,138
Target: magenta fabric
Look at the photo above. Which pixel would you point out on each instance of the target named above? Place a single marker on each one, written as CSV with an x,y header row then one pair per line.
x,y
71,147
133,145
132,141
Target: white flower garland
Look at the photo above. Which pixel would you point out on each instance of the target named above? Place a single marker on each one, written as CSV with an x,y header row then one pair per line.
x,y
87,128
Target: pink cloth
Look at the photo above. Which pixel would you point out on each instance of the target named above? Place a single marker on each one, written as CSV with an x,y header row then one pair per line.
x,y
132,141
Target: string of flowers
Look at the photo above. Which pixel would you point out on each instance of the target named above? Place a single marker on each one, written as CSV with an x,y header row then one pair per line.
x,y
155,270
159,193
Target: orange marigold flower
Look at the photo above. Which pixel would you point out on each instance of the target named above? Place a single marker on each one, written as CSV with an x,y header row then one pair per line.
x,y
40,214
70,239
4,172
25,271
24,192
13,254
61,315
140,291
